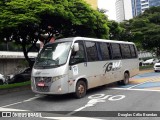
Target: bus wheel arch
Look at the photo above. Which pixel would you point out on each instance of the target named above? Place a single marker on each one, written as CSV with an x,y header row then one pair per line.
x,y
81,88
125,80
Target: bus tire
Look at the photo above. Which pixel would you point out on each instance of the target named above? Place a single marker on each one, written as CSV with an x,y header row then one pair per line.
x,y
125,80
81,89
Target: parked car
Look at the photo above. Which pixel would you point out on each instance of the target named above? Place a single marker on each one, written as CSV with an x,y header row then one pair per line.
x,y
141,62
22,76
2,79
157,66
150,61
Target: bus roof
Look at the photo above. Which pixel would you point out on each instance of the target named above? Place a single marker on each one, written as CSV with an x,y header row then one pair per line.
x,y
91,39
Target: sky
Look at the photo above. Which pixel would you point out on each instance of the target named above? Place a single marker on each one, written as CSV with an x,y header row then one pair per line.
x,y
109,5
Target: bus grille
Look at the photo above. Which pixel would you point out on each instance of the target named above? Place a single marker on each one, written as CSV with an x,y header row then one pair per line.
x,y
47,81
43,89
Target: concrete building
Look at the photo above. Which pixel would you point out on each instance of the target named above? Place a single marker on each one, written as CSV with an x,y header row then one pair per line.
x,y
123,10
93,3
139,6
11,62
145,54
12,59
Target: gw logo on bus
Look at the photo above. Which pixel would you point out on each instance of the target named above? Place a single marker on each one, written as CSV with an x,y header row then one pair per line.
x,y
112,66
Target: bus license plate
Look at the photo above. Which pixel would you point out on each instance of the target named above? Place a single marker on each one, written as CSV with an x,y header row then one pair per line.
x,y
41,84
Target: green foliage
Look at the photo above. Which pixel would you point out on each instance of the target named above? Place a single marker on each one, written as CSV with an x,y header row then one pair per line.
x,y
15,85
147,67
145,29
115,30
23,21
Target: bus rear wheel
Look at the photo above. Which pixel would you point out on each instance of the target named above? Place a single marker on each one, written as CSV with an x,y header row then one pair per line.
x,y
81,89
125,80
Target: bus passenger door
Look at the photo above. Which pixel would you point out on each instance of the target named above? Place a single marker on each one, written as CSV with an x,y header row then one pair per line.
x,y
77,65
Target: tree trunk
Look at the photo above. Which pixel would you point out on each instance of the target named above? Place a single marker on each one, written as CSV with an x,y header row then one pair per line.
x,y
25,52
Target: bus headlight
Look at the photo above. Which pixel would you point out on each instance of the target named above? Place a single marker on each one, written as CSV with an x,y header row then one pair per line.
x,y
57,78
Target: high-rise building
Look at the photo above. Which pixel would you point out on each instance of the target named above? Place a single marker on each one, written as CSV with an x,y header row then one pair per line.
x,y
123,10
139,6
93,3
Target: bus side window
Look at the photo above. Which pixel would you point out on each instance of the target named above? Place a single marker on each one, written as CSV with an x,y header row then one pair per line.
x,y
79,56
92,53
116,53
126,53
104,51
133,51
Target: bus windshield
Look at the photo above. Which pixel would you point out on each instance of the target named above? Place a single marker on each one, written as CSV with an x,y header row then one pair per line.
x,y
53,55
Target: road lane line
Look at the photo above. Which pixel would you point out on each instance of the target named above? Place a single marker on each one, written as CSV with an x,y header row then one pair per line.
x,y
27,100
77,110
91,102
135,89
12,104
10,109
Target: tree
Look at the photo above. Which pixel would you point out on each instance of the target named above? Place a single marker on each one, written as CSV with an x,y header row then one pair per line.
x,y
115,30
126,33
24,21
145,29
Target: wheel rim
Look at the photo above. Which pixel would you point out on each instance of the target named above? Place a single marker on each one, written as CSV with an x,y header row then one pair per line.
x,y
81,89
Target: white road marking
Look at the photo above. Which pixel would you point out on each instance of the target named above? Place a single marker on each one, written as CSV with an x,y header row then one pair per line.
x,y
90,103
97,98
10,109
79,109
27,100
11,104
137,85
134,89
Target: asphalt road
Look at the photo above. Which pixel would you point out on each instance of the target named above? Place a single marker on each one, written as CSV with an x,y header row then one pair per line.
x,y
137,101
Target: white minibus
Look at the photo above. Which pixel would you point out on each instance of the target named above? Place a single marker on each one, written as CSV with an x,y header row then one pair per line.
x,y
74,65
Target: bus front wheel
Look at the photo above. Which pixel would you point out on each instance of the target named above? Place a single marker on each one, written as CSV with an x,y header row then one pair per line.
x,y
125,80
81,89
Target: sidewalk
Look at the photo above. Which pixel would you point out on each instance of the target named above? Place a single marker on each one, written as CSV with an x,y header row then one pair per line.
x,y
146,71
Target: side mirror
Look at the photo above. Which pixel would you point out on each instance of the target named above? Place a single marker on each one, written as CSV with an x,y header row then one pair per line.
x,y
76,47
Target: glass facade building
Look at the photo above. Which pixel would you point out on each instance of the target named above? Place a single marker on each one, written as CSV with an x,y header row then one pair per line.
x,y
139,6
